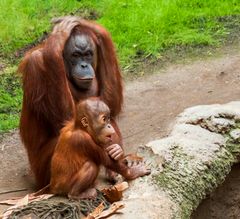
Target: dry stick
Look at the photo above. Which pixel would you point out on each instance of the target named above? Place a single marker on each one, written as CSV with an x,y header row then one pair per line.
x,y
153,121
133,134
138,132
11,191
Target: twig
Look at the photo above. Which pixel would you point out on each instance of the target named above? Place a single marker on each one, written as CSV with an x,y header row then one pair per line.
x,y
138,132
3,146
11,191
135,133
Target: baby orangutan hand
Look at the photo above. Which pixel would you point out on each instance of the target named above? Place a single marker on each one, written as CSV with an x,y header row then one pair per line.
x,y
115,151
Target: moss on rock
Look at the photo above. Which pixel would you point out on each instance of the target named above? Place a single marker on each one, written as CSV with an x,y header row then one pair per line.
x,y
188,177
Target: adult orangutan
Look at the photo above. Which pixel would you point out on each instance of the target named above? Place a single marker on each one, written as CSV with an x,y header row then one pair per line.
x,y
76,61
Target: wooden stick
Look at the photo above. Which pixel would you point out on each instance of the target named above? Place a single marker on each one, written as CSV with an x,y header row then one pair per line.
x,y
11,191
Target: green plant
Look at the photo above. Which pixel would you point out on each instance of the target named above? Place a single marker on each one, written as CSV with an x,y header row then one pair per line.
x,y
11,99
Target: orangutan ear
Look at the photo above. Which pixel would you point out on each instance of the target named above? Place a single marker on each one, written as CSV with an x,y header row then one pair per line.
x,y
84,121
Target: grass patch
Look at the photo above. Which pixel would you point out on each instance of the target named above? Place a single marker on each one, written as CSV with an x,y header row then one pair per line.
x,y
138,27
23,22
143,28
11,99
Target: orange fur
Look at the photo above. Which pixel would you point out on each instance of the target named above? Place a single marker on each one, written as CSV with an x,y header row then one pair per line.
x,y
77,157
49,99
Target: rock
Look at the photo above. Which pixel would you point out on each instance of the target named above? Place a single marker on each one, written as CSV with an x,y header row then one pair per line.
x,y
195,158
235,134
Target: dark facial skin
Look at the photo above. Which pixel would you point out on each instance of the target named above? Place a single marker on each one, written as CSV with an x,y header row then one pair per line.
x,y
93,116
80,55
103,129
98,123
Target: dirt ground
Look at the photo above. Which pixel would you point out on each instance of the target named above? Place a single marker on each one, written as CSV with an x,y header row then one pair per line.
x,y
151,104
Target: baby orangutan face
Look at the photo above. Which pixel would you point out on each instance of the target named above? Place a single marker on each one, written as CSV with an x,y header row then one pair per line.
x,y
96,121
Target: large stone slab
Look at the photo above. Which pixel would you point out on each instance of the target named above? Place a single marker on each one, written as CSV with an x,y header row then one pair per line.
x,y
188,164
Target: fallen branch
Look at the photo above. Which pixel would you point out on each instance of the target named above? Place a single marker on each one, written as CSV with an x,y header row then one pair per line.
x,y
11,191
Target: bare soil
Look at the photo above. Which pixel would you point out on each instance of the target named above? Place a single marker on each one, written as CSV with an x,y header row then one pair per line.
x,y
152,102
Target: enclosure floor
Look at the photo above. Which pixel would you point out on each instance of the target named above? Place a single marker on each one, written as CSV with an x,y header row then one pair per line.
x,y
151,105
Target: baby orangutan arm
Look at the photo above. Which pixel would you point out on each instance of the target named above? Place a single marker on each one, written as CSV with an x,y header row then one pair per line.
x,y
134,170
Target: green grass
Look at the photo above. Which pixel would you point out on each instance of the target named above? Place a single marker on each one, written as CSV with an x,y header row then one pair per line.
x,y
11,99
24,21
139,28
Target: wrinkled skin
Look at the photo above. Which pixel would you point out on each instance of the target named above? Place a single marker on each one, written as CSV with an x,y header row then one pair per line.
x,y
80,57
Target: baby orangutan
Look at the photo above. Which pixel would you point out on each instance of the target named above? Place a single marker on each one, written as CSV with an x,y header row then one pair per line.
x,y
81,149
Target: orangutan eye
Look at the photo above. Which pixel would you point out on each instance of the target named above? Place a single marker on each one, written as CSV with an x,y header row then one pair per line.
x,y
89,54
76,54
104,118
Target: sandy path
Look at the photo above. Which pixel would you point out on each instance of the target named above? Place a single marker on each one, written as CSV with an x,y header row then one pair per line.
x,y
153,102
